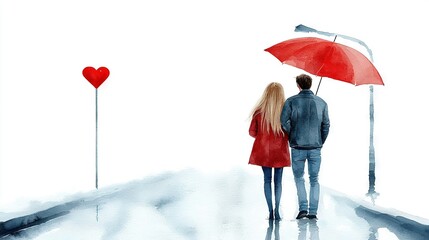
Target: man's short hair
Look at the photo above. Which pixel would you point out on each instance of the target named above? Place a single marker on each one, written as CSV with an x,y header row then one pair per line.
x,y
304,81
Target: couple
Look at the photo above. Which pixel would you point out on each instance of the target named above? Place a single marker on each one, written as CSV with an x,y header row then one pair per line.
x,y
302,122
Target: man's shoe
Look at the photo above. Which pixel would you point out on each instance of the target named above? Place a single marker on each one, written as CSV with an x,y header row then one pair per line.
x,y
312,216
302,214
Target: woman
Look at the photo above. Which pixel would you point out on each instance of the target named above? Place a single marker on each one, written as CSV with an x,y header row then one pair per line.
x,y
270,148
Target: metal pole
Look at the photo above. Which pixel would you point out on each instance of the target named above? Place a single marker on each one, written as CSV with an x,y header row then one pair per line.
x,y
96,148
371,174
371,143
96,138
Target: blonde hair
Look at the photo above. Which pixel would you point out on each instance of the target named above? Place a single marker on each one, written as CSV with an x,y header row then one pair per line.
x,y
270,106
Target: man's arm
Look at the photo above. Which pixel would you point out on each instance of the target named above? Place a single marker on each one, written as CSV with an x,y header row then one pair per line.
x,y
325,124
285,117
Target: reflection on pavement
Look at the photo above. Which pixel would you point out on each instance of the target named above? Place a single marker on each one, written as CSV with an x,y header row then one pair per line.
x,y
311,226
402,228
305,226
272,228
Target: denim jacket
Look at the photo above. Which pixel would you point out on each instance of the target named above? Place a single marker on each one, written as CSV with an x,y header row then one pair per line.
x,y
305,118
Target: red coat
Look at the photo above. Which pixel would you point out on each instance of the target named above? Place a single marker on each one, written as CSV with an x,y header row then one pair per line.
x,y
268,150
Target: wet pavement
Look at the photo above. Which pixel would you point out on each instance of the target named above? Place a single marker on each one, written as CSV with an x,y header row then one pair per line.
x,y
193,205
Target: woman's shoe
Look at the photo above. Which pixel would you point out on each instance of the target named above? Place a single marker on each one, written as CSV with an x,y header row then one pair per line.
x,y
277,215
271,215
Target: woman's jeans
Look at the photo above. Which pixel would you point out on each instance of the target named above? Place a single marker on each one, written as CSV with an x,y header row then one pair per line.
x,y
278,173
299,157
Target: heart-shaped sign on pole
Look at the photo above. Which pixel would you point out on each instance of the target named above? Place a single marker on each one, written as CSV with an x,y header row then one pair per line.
x,y
96,77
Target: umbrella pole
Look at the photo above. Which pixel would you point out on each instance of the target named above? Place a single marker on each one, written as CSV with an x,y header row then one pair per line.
x,y
320,81
335,38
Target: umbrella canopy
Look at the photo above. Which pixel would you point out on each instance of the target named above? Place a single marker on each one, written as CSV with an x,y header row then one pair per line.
x,y
327,59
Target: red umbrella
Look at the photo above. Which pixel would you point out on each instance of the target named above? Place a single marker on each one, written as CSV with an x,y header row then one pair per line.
x,y
324,58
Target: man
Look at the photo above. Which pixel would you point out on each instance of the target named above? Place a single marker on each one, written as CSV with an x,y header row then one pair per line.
x,y
305,118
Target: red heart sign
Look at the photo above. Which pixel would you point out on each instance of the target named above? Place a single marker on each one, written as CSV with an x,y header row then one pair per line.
x,y
96,77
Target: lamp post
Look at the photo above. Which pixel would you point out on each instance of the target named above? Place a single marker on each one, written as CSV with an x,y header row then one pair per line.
x,y
371,190
371,175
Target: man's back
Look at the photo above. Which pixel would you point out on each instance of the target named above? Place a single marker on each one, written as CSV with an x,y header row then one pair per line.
x,y
305,118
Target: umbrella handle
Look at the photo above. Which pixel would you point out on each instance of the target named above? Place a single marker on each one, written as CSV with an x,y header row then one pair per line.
x,y
320,81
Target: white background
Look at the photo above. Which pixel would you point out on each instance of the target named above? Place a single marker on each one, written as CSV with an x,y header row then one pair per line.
x,y
184,78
